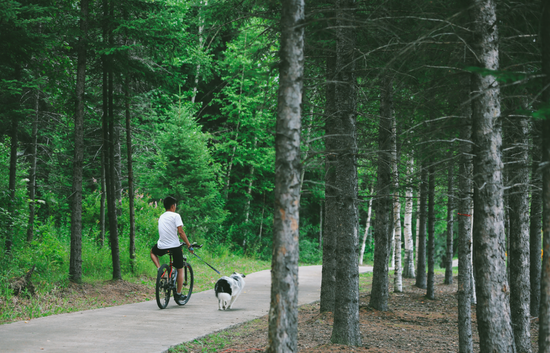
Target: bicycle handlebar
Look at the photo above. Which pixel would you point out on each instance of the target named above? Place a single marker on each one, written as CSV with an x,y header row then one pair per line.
x,y
194,245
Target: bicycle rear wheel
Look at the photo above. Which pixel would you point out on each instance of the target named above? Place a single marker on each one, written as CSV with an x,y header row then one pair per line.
x,y
162,288
187,288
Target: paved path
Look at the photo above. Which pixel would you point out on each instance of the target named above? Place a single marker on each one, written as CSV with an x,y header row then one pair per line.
x,y
143,327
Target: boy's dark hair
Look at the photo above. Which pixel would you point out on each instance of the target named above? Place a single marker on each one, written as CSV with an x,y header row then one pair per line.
x,y
168,202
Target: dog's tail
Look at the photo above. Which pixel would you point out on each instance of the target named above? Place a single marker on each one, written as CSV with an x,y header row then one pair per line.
x,y
225,298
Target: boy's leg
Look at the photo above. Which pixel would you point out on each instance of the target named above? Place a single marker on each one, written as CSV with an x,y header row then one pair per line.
x,y
179,279
155,259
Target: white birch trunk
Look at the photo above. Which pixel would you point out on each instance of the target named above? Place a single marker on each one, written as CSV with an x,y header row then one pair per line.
x,y
408,267
367,226
417,224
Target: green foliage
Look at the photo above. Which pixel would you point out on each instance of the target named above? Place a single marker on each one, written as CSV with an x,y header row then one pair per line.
x,y
183,167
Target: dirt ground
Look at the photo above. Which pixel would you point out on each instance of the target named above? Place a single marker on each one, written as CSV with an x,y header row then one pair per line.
x,y
414,324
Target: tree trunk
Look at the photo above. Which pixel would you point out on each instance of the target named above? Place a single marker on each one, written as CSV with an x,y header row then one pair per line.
x,y
367,226
465,343
201,46
345,329
450,224
111,188
492,289
283,314
519,233
383,203
535,222
75,267
408,266
430,292
328,281
131,193
544,313
421,257
32,170
101,240
110,142
397,269
12,179
417,228
321,225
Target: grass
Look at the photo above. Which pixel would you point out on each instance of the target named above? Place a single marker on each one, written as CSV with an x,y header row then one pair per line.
x,y
219,340
51,283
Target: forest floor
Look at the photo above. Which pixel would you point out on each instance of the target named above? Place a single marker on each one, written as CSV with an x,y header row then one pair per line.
x,y
413,324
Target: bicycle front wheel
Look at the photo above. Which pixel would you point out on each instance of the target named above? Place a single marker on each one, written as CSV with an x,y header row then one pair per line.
x,y
187,288
162,287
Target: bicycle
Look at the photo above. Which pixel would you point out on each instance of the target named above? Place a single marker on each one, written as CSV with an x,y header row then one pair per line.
x,y
166,281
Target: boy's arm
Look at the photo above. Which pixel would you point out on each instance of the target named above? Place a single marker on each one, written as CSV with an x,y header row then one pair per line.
x,y
183,236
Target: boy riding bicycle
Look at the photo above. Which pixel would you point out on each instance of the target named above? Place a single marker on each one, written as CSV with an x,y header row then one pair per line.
x,y
170,225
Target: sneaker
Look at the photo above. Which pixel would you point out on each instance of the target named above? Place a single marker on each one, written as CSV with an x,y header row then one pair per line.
x,y
180,298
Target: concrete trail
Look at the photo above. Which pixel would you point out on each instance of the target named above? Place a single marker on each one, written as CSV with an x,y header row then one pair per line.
x,y
143,327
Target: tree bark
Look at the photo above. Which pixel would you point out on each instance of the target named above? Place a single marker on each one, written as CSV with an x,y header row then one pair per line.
x,y
32,170
544,313
75,266
430,292
111,188
131,193
408,266
465,169
101,240
519,233
345,329
12,179
535,222
109,142
367,226
328,280
383,203
421,257
397,269
450,224
283,315
492,289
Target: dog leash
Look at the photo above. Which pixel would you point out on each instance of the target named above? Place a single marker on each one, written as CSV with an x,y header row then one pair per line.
x,y
206,263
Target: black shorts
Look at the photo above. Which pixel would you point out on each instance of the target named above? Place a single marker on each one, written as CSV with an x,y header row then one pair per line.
x,y
176,253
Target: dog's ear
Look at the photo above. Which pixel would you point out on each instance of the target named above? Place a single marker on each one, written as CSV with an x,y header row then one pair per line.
x,y
243,275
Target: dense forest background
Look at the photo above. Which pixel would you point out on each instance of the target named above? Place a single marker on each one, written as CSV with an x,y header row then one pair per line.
x,y
187,91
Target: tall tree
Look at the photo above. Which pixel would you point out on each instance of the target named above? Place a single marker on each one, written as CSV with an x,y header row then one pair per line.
x,y
450,224
32,169
535,215
430,292
383,202
465,343
283,315
519,232
131,193
328,280
421,244
493,310
397,269
75,267
346,310
408,266
544,313
367,228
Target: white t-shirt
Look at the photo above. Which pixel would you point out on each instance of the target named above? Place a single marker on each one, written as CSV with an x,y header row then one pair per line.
x,y
168,230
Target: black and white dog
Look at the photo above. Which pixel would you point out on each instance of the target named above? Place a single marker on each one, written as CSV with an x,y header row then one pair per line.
x,y
228,289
